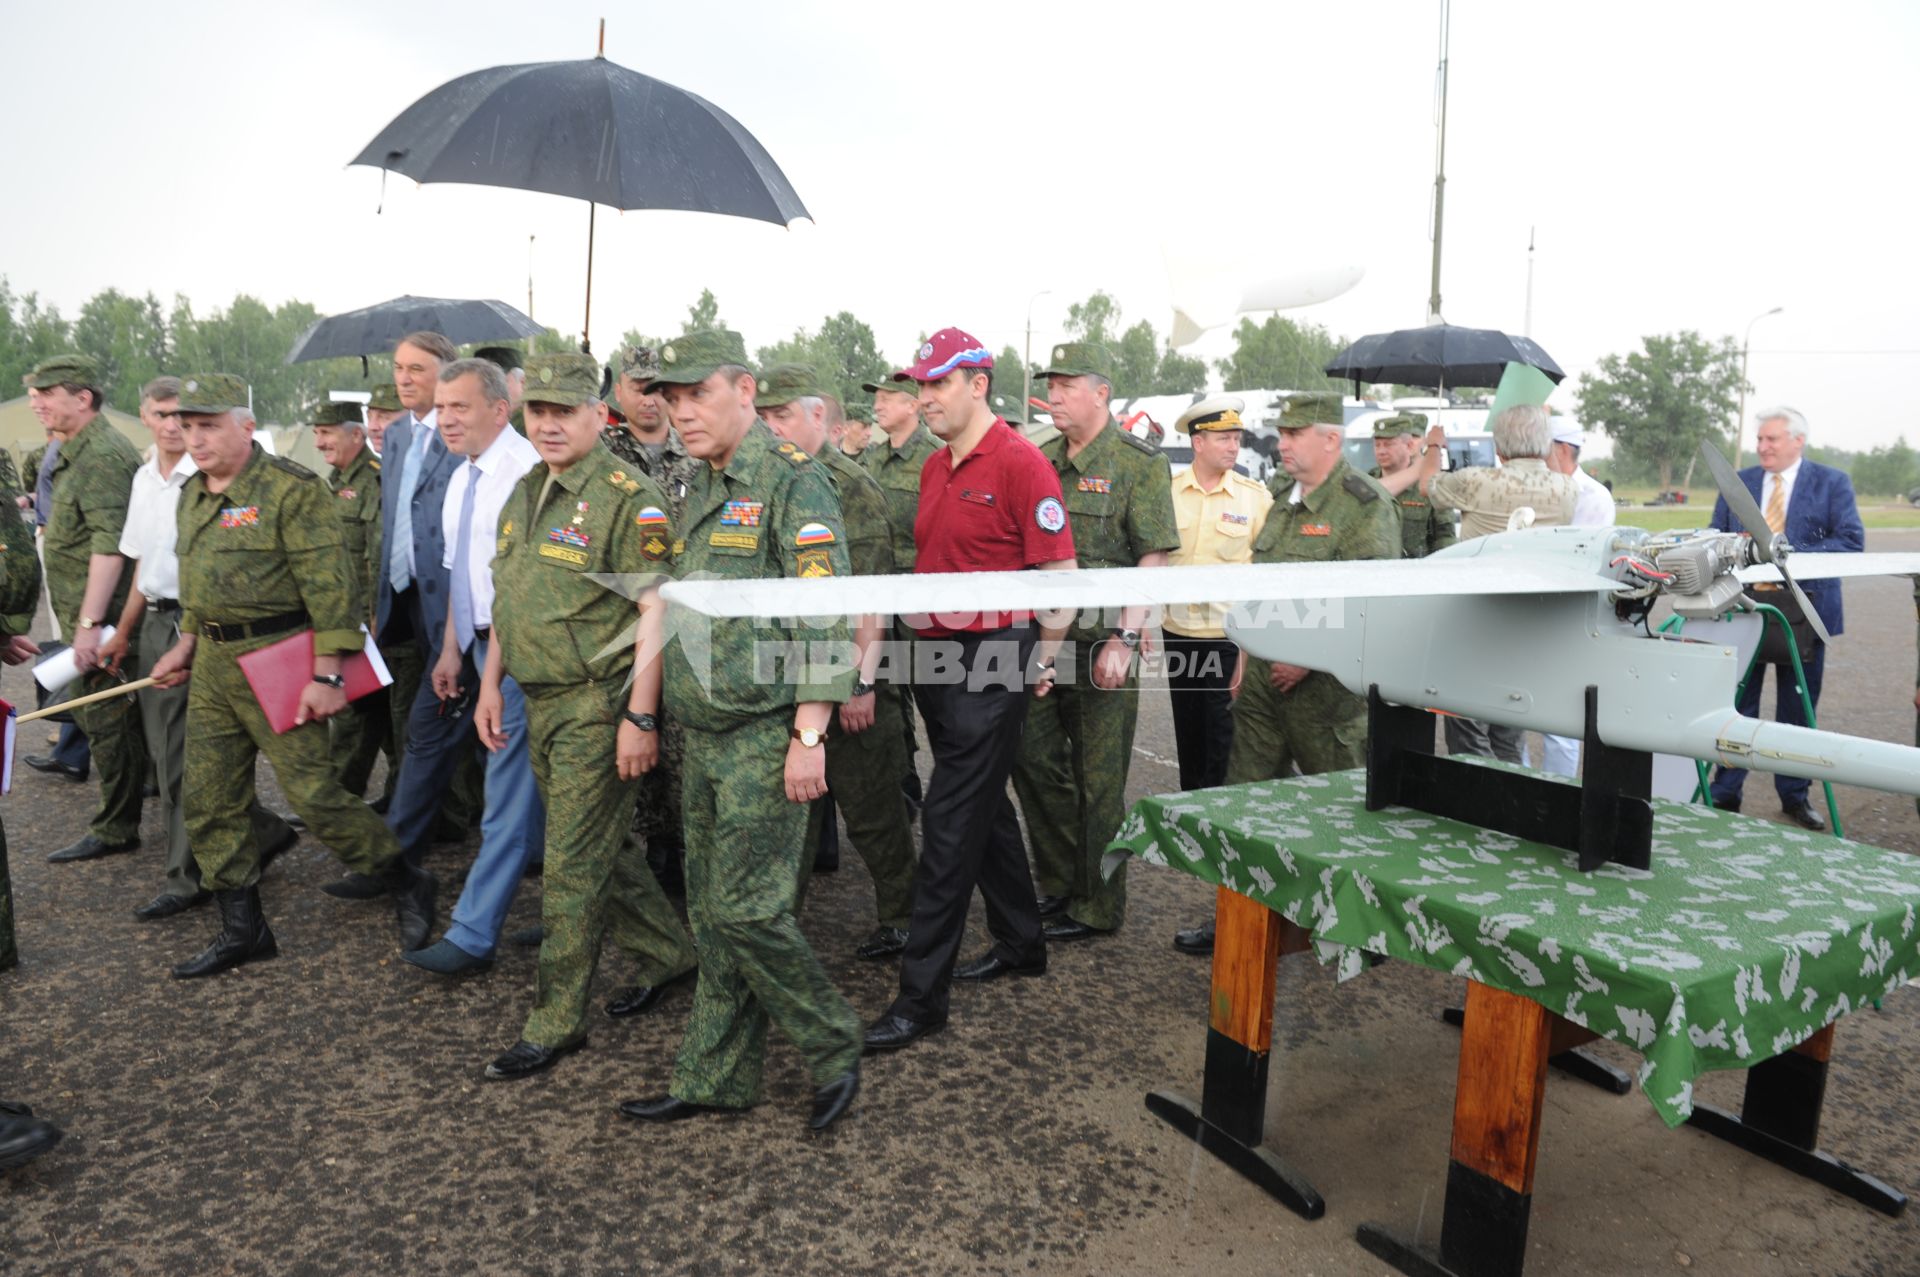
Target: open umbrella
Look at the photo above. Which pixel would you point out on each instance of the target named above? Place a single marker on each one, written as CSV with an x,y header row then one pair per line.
x,y
1439,355
593,130
375,329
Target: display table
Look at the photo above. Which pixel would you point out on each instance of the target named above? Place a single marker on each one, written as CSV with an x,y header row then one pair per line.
x,y
1739,949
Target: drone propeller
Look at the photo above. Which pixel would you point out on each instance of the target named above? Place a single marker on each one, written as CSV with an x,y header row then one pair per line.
x,y
1768,546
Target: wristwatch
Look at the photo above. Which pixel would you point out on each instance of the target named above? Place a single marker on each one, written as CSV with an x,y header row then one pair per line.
x,y
86,623
1130,638
331,680
645,722
807,736
862,687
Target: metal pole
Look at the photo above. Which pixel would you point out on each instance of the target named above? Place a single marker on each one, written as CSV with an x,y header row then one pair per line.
x,y
1740,421
1026,356
1440,166
1526,329
529,277
586,326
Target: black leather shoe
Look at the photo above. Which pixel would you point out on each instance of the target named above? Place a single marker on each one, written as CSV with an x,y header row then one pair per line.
x,y
527,937
91,848
885,942
166,904
636,998
524,1059
54,767
243,937
1732,805
831,1101
1195,940
991,966
891,1032
1050,906
445,957
413,892
1070,929
294,819
1805,817
356,886
23,1136
667,1108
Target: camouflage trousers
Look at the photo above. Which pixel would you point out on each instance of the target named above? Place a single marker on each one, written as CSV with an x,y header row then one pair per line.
x,y
1071,776
745,842
863,775
1317,727
658,820
226,733
9,955
119,755
596,880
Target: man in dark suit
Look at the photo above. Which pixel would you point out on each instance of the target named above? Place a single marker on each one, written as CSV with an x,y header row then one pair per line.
x,y
410,603
1813,505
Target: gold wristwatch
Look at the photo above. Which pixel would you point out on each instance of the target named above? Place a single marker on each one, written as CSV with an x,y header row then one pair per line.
x,y
86,623
807,736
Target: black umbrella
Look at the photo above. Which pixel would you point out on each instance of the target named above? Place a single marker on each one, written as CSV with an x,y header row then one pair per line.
x,y
593,130
1440,356
375,330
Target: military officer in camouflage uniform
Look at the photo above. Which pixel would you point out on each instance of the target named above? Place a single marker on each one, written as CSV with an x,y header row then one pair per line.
x,y
261,559
589,669
865,751
87,583
383,408
1072,771
1424,527
760,508
894,459
1287,718
361,730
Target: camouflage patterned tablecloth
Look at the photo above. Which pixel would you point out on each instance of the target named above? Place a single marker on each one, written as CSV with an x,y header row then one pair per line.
x,y
1745,939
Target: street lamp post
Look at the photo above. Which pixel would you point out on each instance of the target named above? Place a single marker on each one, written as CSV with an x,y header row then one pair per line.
x,y
1026,356
1740,422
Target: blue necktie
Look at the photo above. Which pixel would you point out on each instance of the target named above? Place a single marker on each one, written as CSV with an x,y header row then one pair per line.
x,y
400,536
461,590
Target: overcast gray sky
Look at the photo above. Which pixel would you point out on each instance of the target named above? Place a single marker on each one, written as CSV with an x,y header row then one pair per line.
x,y
1687,165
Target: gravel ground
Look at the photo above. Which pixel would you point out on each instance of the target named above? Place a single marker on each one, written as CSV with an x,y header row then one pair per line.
x,y
325,1112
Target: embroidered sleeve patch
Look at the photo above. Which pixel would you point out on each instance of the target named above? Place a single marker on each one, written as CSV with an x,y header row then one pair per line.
x,y
814,534
651,516
815,563
1050,516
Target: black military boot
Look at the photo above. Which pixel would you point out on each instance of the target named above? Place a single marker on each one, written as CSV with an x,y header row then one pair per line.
x,y
243,936
413,895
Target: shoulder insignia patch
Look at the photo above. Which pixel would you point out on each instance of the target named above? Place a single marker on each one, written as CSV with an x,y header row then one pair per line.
x,y
1359,487
792,453
1135,442
375,463
813,534
814,563
617,478
293,468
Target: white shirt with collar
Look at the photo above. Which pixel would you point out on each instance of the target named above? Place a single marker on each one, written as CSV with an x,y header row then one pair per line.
x,y
506,460
1784,481
151,527
1593,505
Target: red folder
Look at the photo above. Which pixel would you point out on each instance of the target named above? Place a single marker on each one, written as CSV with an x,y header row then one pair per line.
x,y
279,672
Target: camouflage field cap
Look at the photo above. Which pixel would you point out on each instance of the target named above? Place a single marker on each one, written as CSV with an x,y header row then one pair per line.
x,y
859,416
899,383
335,412
642,363
1080,359
567,379
1404,423
507,357
1008,408
1214,413
209,393
72,368
1320,409
385,398
695,356
784,383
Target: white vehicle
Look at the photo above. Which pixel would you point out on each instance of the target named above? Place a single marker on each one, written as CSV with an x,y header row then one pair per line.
x,y
1468,441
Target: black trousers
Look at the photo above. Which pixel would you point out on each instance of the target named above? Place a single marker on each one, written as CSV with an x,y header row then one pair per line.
x,y
973,697
1199,672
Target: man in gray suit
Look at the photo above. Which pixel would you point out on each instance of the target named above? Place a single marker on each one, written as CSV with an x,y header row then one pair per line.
x,y
410,605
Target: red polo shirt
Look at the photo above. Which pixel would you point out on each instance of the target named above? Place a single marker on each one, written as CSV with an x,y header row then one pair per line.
x,y
1000,510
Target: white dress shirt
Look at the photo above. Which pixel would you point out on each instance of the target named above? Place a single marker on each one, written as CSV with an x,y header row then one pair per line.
x,y
501,466
151,527
1592,504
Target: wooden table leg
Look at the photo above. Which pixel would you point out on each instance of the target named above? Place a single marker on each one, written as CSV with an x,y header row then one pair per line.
x,y
1504,1047
1780,1121
1231,1116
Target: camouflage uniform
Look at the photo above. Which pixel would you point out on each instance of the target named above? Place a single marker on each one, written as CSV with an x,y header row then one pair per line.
x,y
92,483
770,513
672,470
1424,527
1319,726
1486,497
897,471
19,597
567,640
1071,774
267,548
364,727
863,768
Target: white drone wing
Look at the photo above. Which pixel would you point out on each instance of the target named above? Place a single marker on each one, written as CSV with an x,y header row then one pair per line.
x,y
1818,565
968,593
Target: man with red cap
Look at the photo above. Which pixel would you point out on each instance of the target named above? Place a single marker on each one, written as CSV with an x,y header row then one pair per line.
x,y
989,502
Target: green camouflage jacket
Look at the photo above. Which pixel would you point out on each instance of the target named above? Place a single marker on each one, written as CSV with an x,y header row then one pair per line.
x,y
1424,527
897,471
863,507
356,500
1119,496
92,484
